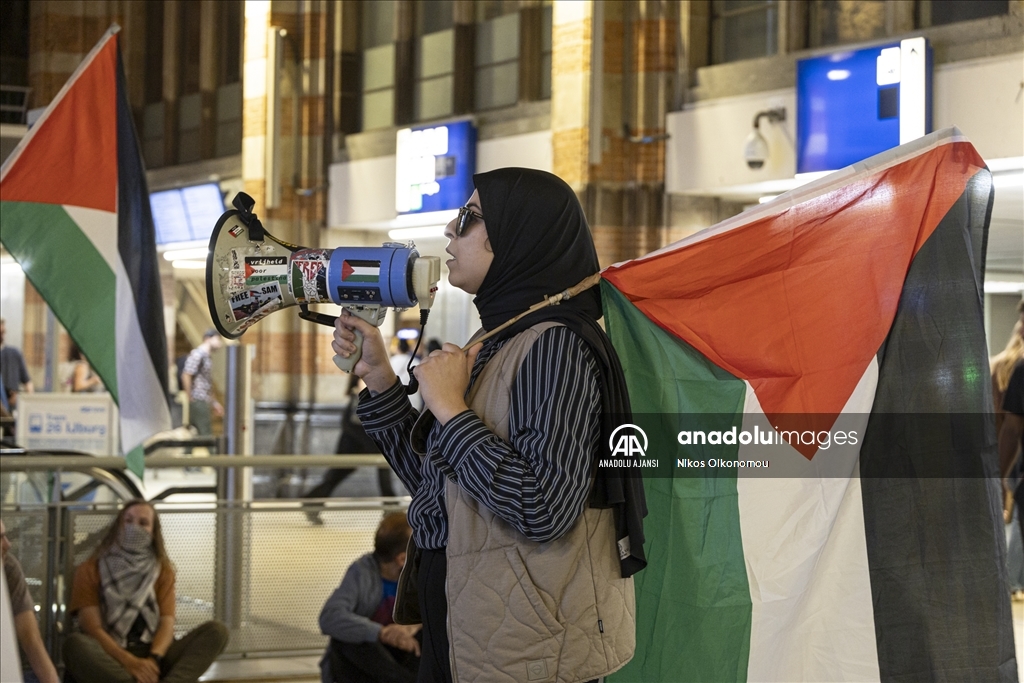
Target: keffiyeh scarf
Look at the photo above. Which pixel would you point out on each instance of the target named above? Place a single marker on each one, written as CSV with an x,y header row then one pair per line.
x,y
128,574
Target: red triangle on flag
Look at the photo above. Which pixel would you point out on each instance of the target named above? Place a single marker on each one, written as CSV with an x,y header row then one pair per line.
x,y
346,270
70,157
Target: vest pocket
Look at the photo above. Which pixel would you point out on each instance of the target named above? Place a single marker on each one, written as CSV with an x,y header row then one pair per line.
x,y
501,627
525,593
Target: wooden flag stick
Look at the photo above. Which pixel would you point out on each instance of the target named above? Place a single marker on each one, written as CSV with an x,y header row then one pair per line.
x,y
552,300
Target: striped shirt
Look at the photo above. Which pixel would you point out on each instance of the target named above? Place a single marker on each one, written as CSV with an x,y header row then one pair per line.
x,y
538,481
200,366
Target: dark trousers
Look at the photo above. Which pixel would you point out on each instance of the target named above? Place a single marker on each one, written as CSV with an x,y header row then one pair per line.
x,y
186,660
435,667
1018,502
371,663
200,418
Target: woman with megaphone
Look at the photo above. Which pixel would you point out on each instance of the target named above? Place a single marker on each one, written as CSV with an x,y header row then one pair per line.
x,y
522,550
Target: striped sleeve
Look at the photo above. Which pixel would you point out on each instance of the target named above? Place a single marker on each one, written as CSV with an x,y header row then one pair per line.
x,y
388,418
538,482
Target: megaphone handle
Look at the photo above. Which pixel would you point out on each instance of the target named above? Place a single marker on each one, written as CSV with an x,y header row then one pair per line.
x,y
346,364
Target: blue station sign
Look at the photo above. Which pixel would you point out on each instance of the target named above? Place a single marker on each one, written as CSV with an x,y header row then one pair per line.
x,y
434,167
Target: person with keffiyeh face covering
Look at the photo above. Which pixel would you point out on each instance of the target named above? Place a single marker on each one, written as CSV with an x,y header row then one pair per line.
x,y
123,598
523,550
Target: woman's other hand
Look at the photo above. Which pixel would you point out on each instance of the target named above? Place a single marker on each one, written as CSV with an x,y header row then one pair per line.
x,y
401,637
143,670
373,366
444,378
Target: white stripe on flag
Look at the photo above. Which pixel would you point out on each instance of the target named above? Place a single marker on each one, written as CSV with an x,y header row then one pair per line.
x,y
142,404
807,565
101,229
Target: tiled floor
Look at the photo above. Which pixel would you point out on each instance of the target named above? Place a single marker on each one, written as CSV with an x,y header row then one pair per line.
x,y
265,670
305,669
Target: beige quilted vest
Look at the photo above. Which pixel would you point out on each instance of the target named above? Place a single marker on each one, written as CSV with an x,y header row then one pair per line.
x,y
522,611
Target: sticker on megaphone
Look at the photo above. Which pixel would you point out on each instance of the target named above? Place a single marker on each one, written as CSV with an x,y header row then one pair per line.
x,y
251,274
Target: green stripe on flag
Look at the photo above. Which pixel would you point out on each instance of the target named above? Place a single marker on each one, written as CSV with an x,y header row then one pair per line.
x,y
75,280
693,601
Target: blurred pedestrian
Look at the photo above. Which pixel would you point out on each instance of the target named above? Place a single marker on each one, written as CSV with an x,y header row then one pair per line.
x,y
197,383
4,405
12,367
81,377
400,364
353,440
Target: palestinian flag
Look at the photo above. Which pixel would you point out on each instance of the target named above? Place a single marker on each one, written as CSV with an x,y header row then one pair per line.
x,y
855,301
75,213
360,271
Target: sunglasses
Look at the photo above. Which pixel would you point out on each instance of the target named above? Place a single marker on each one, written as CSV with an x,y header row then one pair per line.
x,y
466,216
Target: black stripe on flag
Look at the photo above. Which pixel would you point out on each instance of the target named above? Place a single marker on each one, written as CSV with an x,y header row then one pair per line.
x,y
362,264
935,548
136,239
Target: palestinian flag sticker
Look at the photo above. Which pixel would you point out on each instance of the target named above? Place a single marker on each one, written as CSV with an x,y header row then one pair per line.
x,y
360,271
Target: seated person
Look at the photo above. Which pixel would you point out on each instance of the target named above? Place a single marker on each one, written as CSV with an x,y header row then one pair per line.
x,y
366,646
123,596
23,609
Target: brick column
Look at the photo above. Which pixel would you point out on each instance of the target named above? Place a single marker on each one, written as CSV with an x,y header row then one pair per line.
x,y
171,78
570,91
465,57
293,358
651,63
613,79
209,34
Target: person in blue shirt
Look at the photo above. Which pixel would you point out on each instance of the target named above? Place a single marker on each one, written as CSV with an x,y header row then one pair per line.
x,y
5,409
366,645
3,397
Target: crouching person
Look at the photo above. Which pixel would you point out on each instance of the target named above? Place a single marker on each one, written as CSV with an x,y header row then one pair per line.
x,y
366,646
123,597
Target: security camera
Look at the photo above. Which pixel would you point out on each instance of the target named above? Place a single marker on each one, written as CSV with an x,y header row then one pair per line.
x,y
755,152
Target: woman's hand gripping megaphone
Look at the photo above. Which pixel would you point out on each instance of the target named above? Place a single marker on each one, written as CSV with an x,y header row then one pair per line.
x,y
444,376
355,337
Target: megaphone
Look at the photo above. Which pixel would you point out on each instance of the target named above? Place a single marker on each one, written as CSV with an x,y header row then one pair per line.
x,y
250,274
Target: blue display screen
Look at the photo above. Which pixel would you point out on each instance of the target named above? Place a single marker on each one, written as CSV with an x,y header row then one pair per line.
x,y
434,167
187,214
847,107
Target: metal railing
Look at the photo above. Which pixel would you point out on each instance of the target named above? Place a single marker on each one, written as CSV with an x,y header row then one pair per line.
x,y
31,461
13,103
260,567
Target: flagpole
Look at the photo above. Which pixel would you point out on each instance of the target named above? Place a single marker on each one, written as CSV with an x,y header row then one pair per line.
x,y
552,300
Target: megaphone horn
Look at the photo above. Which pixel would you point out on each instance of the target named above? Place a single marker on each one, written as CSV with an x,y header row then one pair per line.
x,y
251,274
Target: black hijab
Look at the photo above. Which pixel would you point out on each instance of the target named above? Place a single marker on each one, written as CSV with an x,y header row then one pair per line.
x,y
542,245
